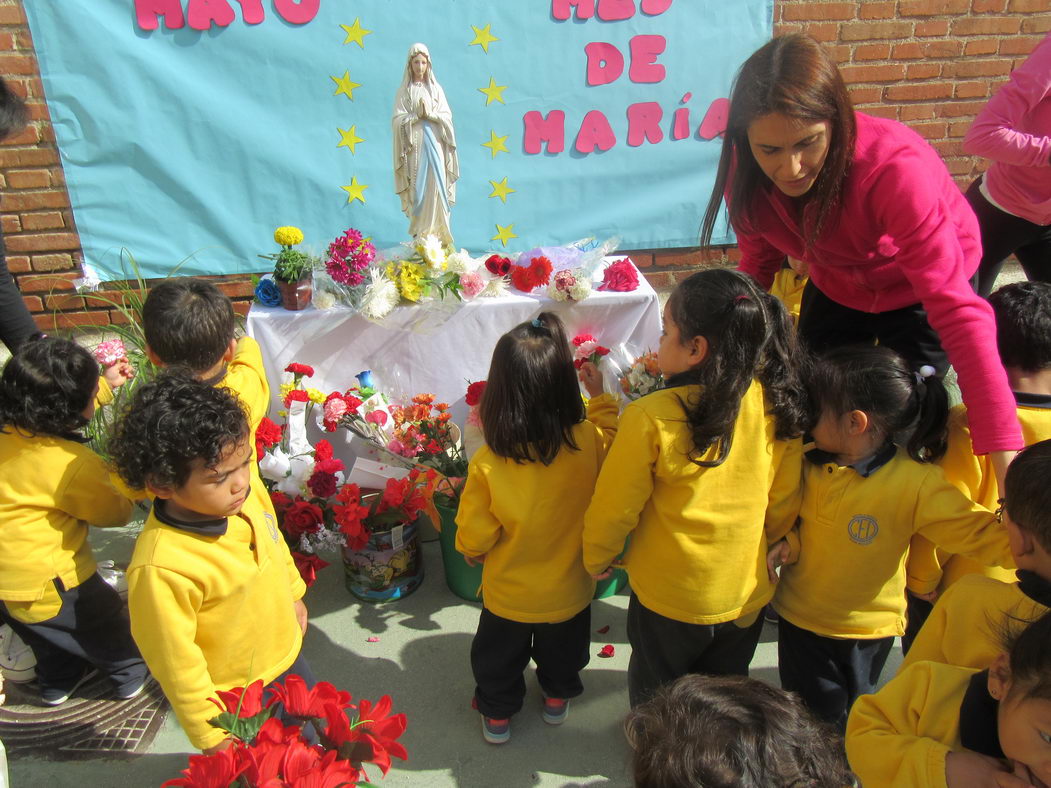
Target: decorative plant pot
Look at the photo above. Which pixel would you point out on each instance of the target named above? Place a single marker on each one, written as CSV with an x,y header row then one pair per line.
x,y
387,568
463,580
296,295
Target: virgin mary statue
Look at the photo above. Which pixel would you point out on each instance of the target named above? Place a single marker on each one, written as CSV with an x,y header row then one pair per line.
x,y
425,164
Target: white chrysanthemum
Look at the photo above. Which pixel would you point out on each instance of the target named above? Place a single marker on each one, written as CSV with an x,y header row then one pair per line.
x,y
433,251
462,263
323,299
381,296
497,287
580,290
556,293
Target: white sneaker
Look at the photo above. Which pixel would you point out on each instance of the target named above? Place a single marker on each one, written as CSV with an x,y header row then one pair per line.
x,y
17,661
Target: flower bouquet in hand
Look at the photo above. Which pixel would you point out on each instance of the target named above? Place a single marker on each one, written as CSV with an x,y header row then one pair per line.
x,y
266,753
641,377
587,348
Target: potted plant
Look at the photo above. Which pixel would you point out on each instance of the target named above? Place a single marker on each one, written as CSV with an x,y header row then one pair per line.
x,y
293,269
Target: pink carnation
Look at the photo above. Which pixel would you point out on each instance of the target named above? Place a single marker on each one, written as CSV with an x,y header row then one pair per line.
x,y
472,284
335,409
110,352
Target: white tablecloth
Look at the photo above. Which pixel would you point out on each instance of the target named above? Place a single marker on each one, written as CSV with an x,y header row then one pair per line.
x,y
339,343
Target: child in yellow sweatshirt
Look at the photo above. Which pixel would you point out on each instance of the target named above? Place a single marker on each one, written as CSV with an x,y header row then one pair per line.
x,y
959,630
943,726
215,599
522,512
1023,339
52,486
703,475
869,484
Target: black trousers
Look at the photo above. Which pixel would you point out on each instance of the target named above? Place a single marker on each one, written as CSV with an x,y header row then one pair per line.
x,y
16,325
501,652
917,612
91,628
825,324
663,649
1004,234
829,673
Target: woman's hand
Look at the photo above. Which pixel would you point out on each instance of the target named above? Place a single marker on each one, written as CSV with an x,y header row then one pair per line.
x,y
591,378
1000,461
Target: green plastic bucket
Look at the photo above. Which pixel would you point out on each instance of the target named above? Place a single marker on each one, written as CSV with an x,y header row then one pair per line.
x,y
463,580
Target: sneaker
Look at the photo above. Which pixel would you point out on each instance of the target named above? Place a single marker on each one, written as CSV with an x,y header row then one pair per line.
x,y
17,661
56,696
496,731
132,691
555,710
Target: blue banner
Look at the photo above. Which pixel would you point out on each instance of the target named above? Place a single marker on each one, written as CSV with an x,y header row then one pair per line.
x,y
193,128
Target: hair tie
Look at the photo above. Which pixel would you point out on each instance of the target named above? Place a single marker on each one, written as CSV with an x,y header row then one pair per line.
x,y
536,323
925,372
742,297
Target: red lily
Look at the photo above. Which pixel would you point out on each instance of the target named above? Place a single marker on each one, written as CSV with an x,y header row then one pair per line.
x,y
242,701
211,771
375,728
302,702
330,772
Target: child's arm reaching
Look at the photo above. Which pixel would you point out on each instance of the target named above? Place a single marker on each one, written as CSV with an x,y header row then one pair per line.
x,y
89,495
477,530
602,408
246,377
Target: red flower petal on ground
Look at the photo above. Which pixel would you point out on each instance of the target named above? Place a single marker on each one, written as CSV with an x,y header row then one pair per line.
x,y
604,630
606,651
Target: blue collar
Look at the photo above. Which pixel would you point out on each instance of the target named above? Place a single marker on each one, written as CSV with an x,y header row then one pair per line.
x,y
865,467
1027,400
205,527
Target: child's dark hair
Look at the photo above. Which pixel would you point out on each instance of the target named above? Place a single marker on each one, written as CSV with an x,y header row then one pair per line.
x,y
1027,491
746,340
731,732
1028,646
188,322
46,386
13,113
532,398
170,422
903,406
1023,325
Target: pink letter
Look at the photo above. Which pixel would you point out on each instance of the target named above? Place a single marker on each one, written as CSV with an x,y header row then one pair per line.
x,y
146,12
615,10
644,123
539,129
644,65
654,7
714,123
605,63
595,132
560,9
680,129
297,12
201,13
251,11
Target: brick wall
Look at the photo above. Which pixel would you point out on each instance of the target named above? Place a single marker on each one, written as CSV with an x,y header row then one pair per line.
x,y
929,63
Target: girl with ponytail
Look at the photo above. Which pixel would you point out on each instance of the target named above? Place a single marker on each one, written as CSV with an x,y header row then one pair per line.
x,y
869,484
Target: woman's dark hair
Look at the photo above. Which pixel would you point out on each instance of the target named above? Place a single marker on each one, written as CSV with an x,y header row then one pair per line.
x,y
1023,325
13,115
532,399
1027,492
188,322
1028,646
745,341
903,407
46,386
792,75
731,732
169,423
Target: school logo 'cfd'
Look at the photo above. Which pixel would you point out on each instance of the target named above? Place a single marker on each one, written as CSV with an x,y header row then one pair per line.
x,y
862,528
271,525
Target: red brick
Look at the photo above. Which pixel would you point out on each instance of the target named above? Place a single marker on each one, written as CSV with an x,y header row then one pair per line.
x,y
934,130
27,157
883,111
18,264
960,109
52,262
641,259
659,281
931,28
11,15
908,51
15,63
923,70
58,177
1027,6
64,302
51,321
678,258
30,135
933,7
733,254
822,31
948,48
948,148
988,6
7,42
44,283
37,111
233,289
972,89
986,26
890,72
997,67
918,112
28,179
10,224
861,95
43,242
46,220
959,166
982,46
872,52
838,52
959,128
875,10
242,308
868,31
1037,24
34,201
1019,45
33,303
925,92
809,12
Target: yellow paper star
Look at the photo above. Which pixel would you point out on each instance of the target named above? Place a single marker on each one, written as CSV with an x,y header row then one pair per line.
x,y
349,138
356,191
493,93
504,233
496,144
346,86
482,37
355,33
501,189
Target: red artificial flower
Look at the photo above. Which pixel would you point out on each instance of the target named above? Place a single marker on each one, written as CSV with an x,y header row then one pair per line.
x,y
497,265
296,395
377,417
381,730
242,701
302,517
300,369
402,494
308,565
621,277
303,702
322,450
474,393
267,434
280,501
330,771
321,484
580,339
211,771
299,761
536,274
350,516
331,465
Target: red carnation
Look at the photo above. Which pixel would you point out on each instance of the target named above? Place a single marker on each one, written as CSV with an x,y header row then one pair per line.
x,y
267,434
280,501
321,484
497,265
621,277
323,451
300,369
580,339
474,393
296,395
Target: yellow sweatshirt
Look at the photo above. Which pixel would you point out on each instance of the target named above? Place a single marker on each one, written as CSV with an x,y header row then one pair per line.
x,y
212,607
853,537
50,489
963,628
788,287
698,535
528,520
931,569
104,396
900,735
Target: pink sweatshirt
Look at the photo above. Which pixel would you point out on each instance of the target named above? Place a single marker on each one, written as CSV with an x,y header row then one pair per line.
x,y
904,234
1014,130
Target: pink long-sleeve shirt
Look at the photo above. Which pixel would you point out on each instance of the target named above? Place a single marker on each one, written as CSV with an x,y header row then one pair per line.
x,y
1014,130
903,234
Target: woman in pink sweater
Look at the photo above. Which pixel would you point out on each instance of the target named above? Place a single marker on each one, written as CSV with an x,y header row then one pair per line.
x,y
1013,199
868,204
